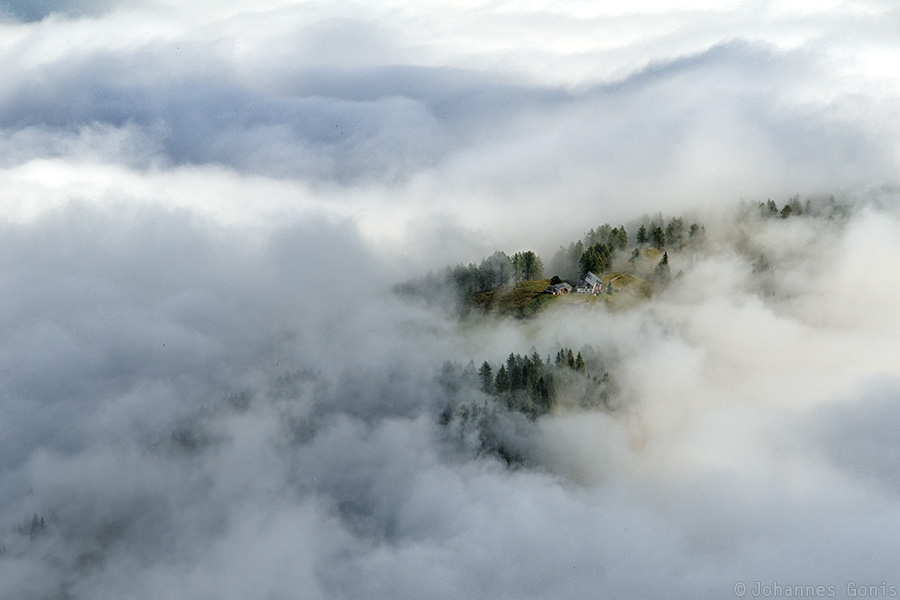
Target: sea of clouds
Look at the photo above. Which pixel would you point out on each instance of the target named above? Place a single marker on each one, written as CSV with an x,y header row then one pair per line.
x,y
208,388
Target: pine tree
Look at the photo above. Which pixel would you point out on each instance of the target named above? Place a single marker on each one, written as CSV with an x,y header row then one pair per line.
x,y
527,266
641,237
596,259
501,383
527,372
662,269
659,237
542,396
675,233
512,371
487,377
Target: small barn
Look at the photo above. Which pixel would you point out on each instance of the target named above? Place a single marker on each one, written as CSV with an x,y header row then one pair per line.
x,y
559,289
589,284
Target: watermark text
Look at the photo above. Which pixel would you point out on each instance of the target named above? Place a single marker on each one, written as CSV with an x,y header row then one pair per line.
x,y
777,589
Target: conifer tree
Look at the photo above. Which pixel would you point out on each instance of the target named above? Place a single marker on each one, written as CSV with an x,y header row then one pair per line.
x,y
675,233
501,383
527,265
658,237
542,396
487,377
596,259
641,237
662,269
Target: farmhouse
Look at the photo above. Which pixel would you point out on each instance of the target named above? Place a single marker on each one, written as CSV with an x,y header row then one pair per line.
x,y
559,289
589,284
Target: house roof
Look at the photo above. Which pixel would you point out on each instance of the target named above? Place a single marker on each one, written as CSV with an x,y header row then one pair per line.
x,y
590,279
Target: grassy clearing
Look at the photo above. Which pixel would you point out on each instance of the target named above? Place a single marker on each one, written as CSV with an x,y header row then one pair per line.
x,y
525,299
623,290
620,291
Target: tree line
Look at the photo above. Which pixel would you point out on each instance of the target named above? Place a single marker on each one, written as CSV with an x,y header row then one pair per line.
x,y
827,208
596,252
495,271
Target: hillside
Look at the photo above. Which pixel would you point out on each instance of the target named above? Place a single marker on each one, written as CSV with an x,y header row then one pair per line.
x,y
630,267
526,298
523,299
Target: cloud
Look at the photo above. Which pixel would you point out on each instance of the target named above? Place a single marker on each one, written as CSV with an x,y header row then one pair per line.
x,y
417,129
180,396
857,435
41,9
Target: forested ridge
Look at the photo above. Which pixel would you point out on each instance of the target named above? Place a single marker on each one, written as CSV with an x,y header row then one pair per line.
x,y
494,404
642,250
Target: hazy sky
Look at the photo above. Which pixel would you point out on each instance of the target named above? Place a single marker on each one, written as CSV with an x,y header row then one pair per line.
x,y
207,391
416,122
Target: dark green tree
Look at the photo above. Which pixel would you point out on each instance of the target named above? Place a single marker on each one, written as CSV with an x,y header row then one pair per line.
x,y
641,237
515,369
658,237
662,269
541,396
487,377
528,373
596,259
560,357
501,383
